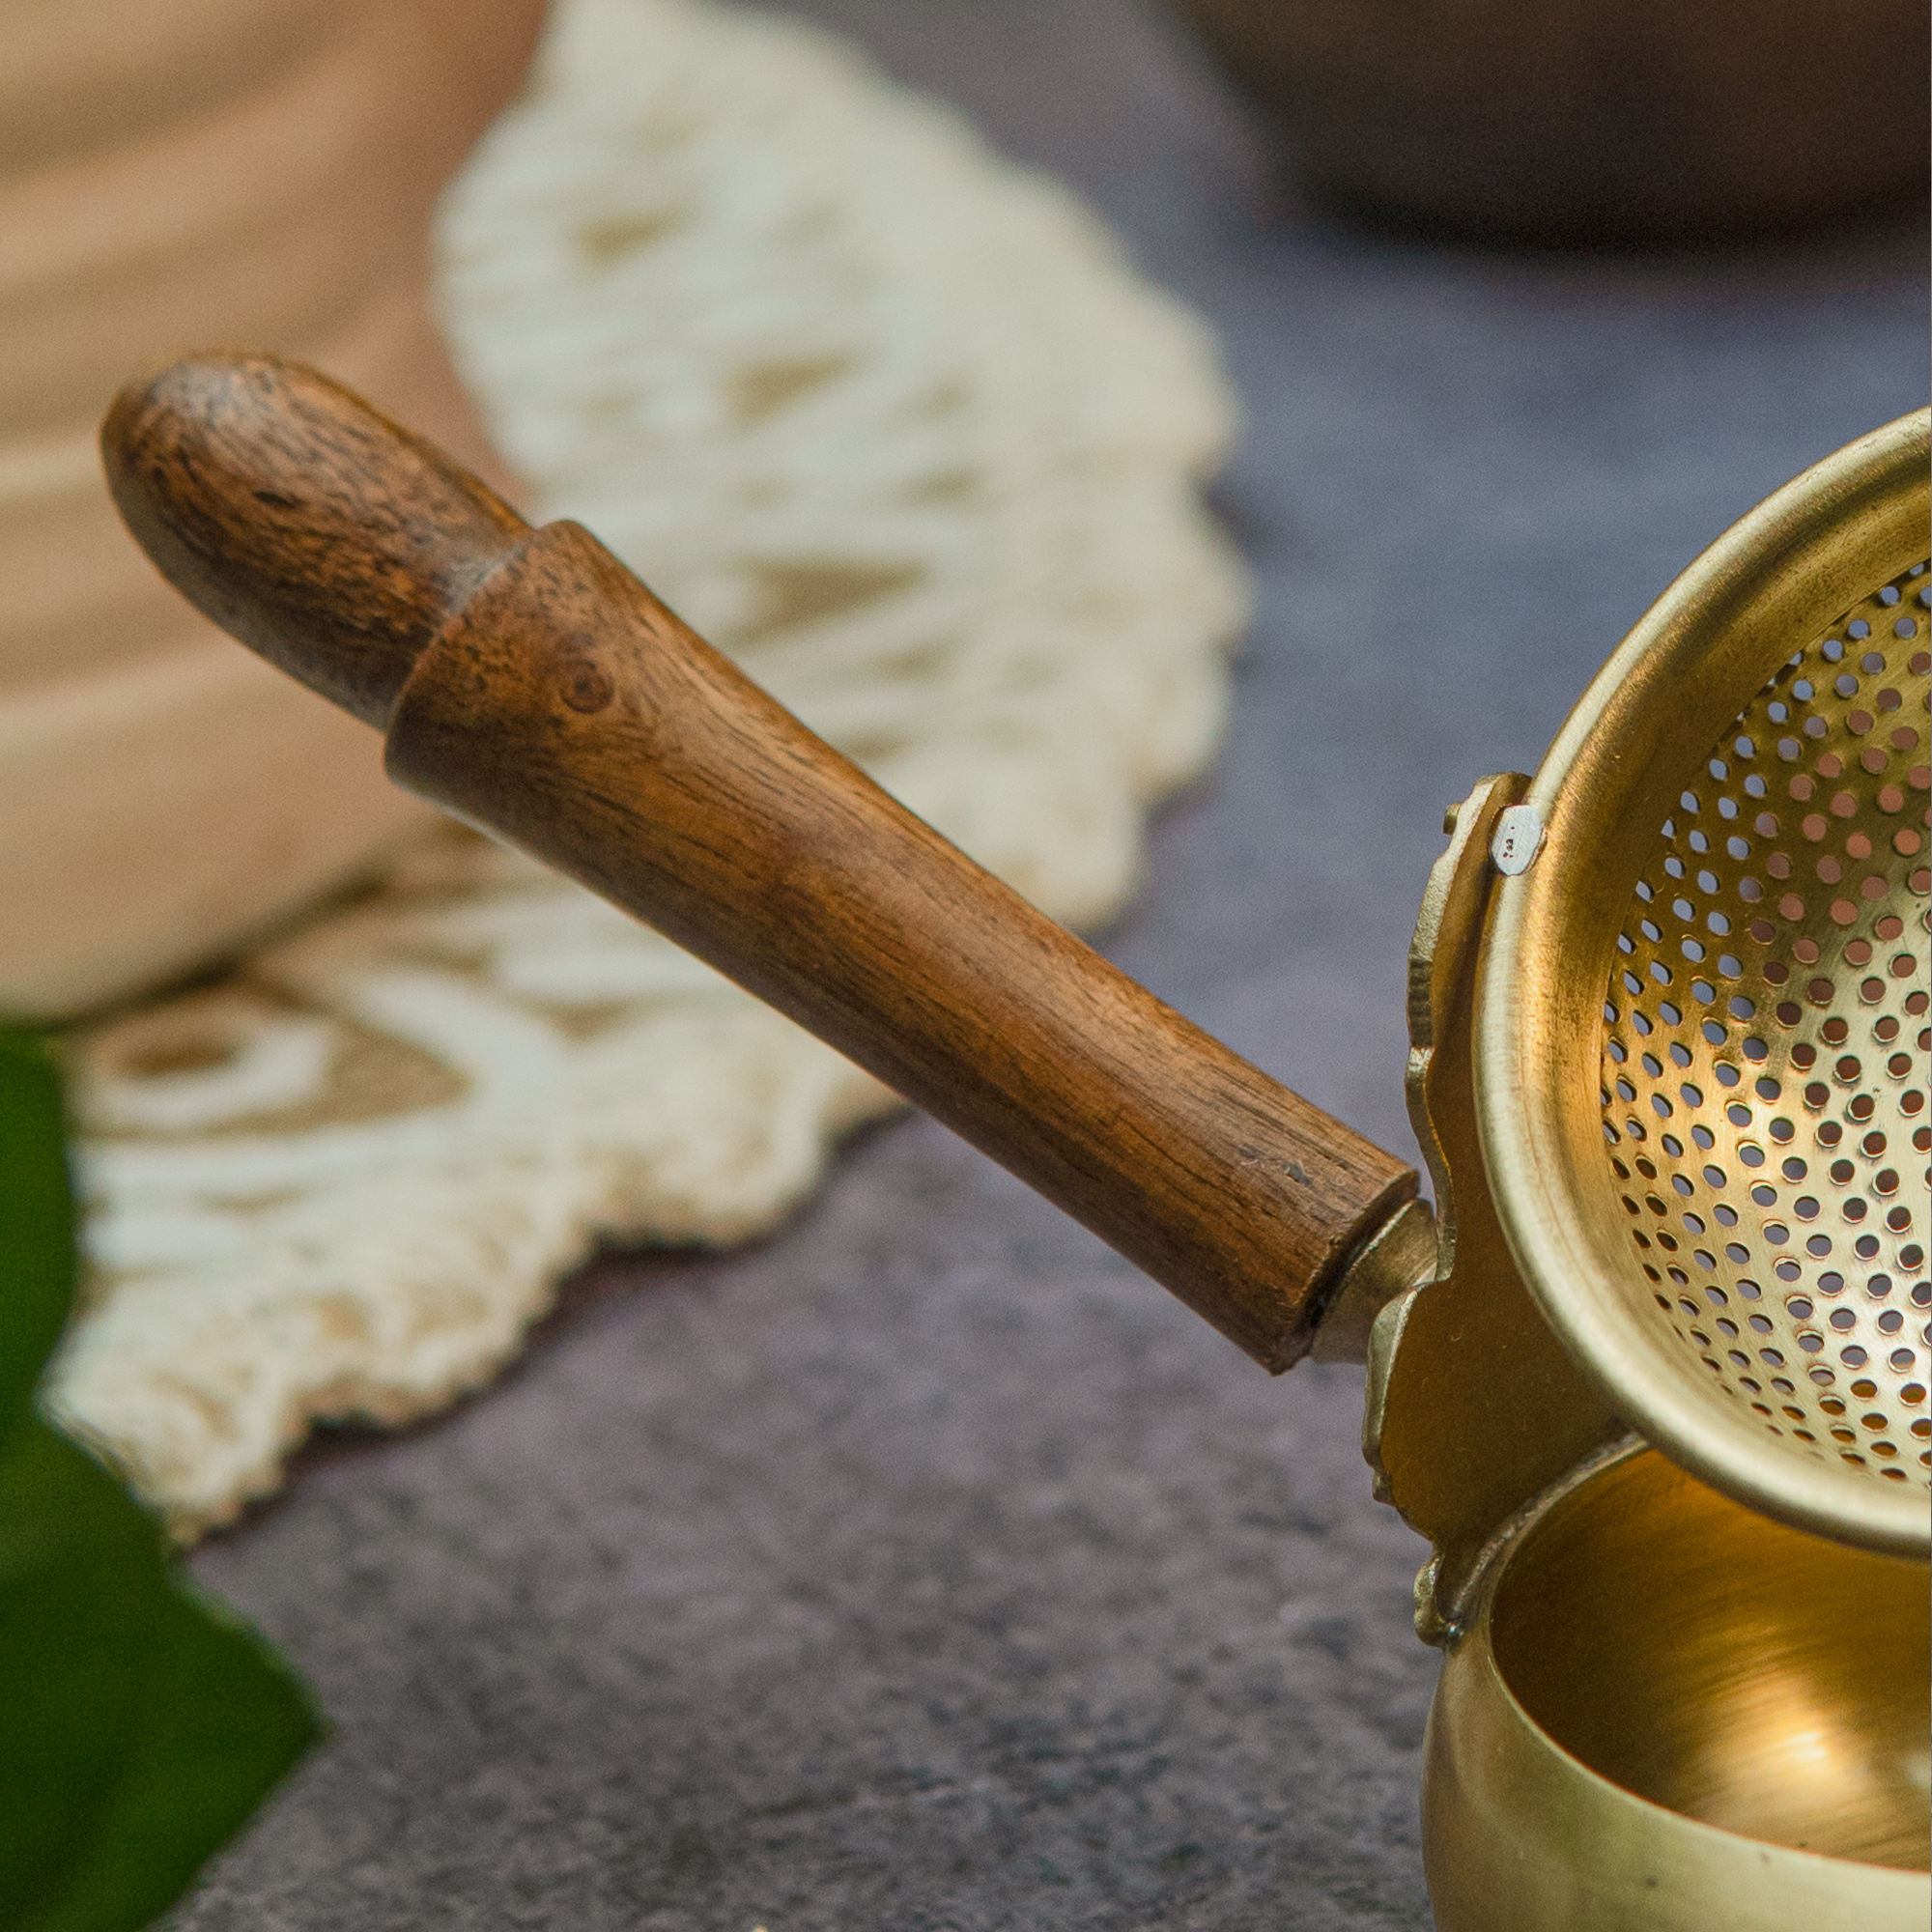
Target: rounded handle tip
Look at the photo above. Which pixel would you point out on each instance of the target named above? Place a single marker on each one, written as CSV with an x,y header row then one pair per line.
x,y
325,537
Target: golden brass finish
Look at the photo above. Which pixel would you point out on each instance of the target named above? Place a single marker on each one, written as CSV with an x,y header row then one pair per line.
x,y
1651,757
1400,1256
1709,1659
1801,1222
1673,1712
1474,1407
1668,1704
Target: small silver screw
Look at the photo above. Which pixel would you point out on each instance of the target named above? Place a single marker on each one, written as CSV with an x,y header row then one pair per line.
x,y
1519,840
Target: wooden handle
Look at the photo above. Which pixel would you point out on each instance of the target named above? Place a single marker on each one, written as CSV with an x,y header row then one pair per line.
x,y
532,686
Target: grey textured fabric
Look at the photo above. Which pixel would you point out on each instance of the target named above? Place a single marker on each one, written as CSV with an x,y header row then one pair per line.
x,y
926,1567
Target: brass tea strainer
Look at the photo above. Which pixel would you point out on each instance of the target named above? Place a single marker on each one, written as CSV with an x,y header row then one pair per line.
x,y
1703,1013
1653,1380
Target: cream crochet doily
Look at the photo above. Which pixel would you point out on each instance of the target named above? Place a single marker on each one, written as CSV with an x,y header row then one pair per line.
x,y
893,423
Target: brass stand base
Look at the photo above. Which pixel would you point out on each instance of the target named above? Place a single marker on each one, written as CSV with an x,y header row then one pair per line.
x,y
1671,1713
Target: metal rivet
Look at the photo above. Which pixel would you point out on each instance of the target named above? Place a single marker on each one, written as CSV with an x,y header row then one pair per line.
x,y
1518,838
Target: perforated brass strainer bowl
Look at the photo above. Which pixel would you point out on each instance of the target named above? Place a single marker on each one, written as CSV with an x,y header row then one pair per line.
x,y
1701,1036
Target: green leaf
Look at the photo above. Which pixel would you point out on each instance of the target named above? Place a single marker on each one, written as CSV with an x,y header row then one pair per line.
x,y
140,1720
82,1587
221,1718
37,1261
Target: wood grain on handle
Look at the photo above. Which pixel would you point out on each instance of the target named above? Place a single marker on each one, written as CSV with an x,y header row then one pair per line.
x,y
329,540
531,685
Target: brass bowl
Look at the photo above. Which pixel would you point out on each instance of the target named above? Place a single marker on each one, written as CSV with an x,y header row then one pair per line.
x,y
1671,1711
1588,120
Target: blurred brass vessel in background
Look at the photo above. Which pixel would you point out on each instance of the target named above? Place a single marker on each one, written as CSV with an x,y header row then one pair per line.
x,y
1589,121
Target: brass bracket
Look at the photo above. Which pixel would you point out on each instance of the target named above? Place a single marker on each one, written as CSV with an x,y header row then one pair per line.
x,y
1474,1407
1400,1256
